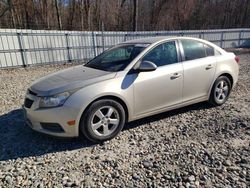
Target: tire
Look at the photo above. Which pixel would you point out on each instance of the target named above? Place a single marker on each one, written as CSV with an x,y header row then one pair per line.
x,y
103,120
220,91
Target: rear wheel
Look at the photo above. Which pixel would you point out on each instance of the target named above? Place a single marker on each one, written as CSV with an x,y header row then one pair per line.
x,y
103,120
220,91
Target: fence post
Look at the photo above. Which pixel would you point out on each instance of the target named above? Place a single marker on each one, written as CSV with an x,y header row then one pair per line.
x,y
181,33
94,43
239,41
125,38
221,39
201,35
22,50
103,45
67,46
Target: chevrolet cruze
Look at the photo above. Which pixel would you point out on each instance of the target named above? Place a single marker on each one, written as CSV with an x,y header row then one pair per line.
x,y
129,81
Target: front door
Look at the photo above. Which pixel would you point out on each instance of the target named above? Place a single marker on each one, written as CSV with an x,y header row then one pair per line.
x,y
163,87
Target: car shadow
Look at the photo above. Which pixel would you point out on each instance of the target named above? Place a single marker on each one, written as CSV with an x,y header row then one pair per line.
x,y
18,140
157,117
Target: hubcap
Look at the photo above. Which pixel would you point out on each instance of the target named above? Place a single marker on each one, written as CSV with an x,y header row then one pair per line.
x,y
105,121
221,91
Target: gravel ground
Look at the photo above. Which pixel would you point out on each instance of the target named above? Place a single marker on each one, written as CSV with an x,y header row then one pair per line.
x,y
196,146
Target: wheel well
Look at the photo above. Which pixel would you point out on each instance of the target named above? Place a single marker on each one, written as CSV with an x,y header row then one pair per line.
x,y
117,99
229,77
225,74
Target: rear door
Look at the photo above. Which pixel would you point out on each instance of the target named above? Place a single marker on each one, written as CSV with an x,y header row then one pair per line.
x,y
199,68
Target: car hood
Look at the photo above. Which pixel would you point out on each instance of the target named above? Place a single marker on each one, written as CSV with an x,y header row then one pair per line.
x,y
69,79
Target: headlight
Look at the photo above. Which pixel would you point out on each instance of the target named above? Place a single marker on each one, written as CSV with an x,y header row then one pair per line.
x,y
54,101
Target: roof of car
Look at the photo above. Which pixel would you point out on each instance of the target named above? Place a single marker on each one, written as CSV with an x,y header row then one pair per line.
x,y
148,40
151,40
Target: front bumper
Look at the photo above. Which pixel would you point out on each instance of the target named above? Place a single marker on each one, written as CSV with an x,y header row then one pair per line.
x,y
51,121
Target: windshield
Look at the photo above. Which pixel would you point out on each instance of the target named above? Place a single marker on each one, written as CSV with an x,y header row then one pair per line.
x,y
116,58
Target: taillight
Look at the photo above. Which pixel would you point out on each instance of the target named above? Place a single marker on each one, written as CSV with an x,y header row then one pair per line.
x,y
237,59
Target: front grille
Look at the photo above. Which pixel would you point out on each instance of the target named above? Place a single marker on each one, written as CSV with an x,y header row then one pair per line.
x,y
28,103
53,127
32,93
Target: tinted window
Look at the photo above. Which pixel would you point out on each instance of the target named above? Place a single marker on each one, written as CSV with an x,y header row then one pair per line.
x,y
209,50
118,54
193,49
164,54
117,58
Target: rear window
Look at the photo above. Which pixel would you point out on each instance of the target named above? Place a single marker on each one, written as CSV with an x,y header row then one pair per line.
x,y
209,50
196,50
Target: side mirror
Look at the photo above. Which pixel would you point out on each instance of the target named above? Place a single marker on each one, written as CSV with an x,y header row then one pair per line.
x,y
146,66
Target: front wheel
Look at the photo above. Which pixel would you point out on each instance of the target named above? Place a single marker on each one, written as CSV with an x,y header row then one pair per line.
x,y
103,120
220,91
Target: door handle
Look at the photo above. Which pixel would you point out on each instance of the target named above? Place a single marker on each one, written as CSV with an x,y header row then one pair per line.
x,y
175,75
209,67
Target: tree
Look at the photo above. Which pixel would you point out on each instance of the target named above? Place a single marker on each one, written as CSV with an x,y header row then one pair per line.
x,y
58,15
135,14
120,15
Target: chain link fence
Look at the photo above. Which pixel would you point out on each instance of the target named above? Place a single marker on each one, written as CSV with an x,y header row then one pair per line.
x,y
33,47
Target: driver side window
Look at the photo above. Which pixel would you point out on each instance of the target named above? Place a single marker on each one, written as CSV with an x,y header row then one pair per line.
x,y
163,54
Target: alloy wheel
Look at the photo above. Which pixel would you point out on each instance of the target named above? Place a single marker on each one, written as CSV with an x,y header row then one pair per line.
x,y
105,121
221,91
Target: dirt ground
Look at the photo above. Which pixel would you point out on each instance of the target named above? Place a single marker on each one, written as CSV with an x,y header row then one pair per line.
x,y
195,146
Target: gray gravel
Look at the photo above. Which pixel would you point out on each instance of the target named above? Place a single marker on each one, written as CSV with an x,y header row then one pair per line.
x,y
196,146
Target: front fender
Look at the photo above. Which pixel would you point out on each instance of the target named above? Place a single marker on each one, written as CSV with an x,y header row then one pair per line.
x,y
85,96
